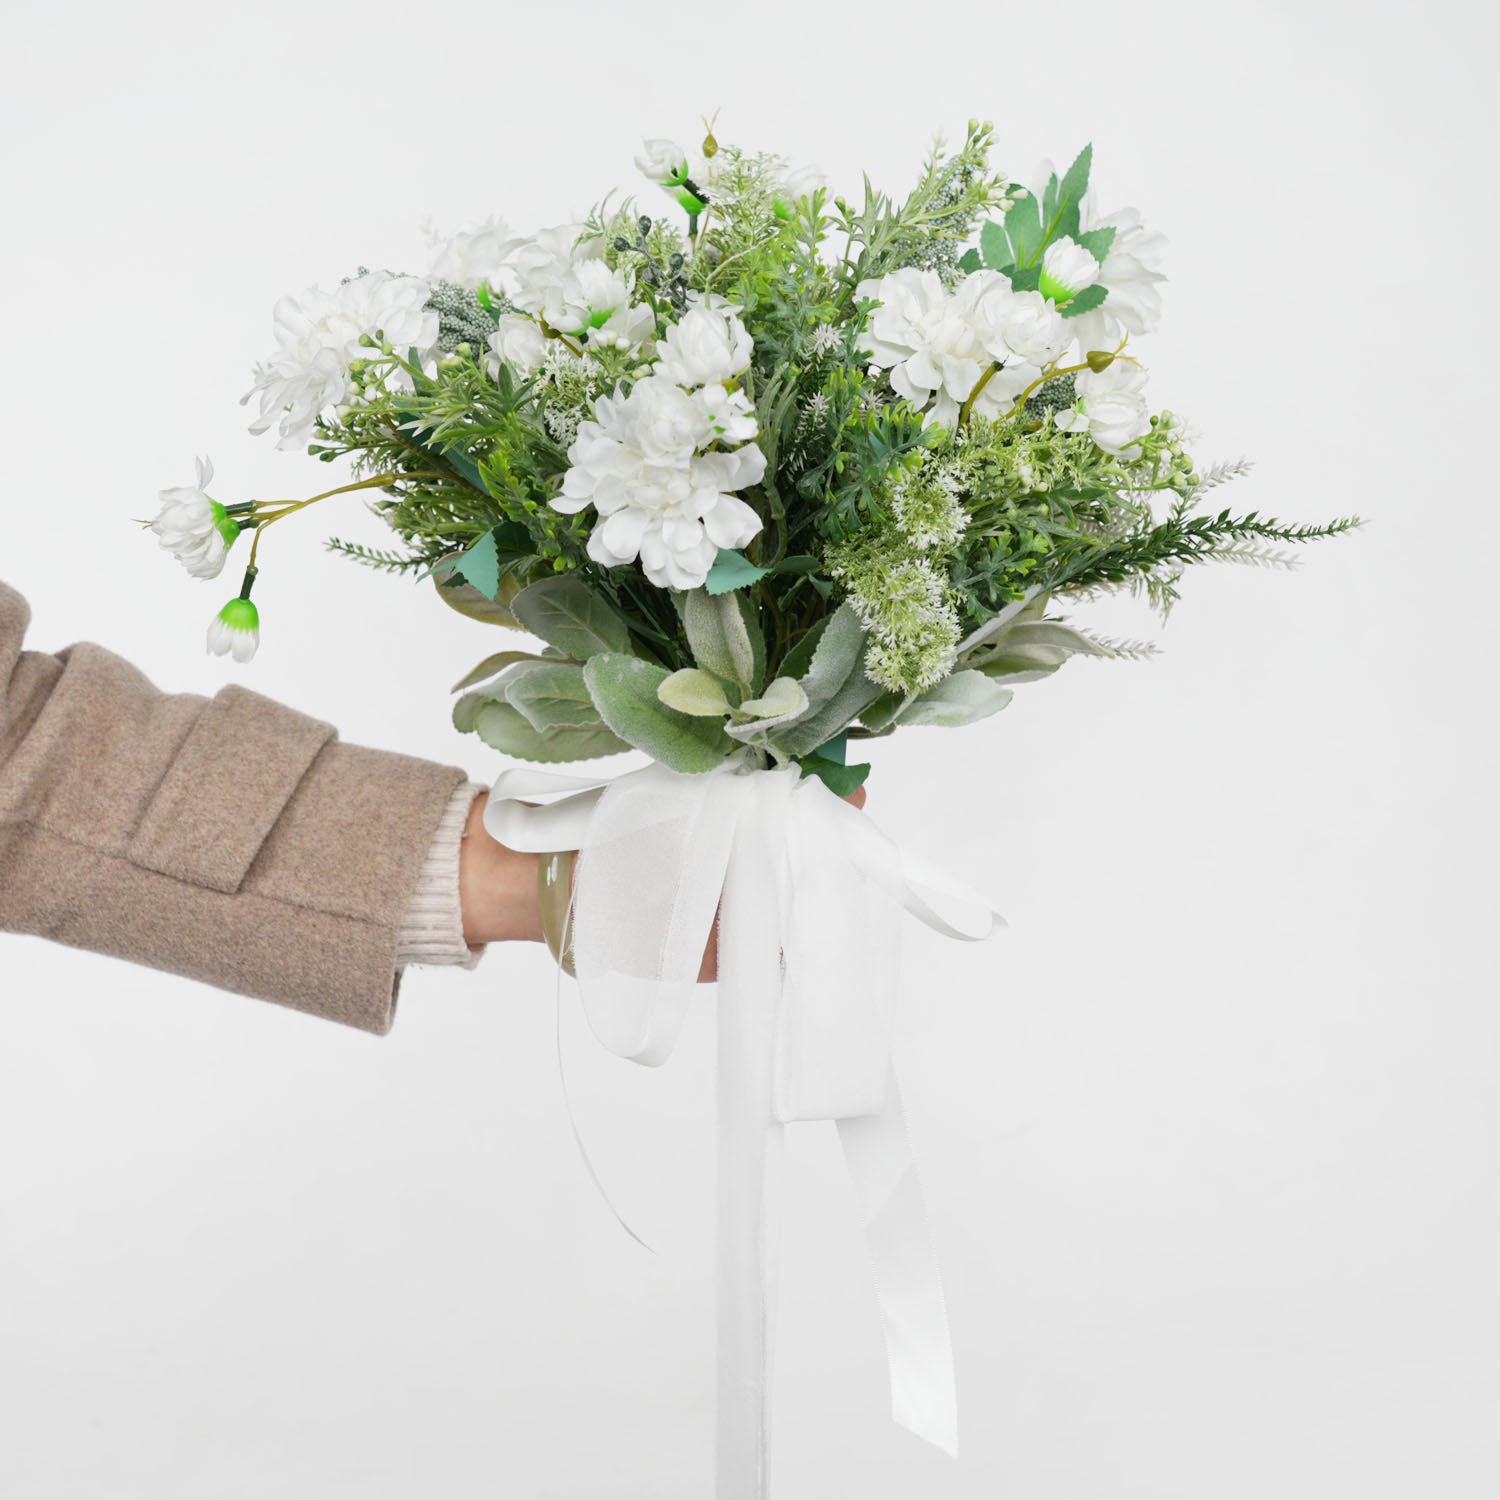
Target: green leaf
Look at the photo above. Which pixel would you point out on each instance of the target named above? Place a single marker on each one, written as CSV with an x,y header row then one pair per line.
x,y
565,612
1020,666
836,749
1098,241
1086,301
1023,228
796,662
970,261
624,690
783,699
552,695
725,637
732,570
480,565
1052,633
469,602
840,779
835,683
803,562
1070,193
506,729
885,710
994,247
694,692
958,699
491,665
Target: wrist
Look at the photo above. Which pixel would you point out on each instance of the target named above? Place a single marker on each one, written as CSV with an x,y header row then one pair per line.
x,y
497,886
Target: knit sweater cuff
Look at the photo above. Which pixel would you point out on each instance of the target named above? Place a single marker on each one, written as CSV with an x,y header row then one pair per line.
x,y
432,931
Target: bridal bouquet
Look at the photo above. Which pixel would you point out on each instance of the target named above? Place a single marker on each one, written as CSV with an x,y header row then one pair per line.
x,y
761,467
763,470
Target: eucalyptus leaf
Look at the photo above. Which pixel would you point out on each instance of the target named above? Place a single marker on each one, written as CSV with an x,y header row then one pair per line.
x,y
725,637
624,690
958,699
505,728
565,612
695,692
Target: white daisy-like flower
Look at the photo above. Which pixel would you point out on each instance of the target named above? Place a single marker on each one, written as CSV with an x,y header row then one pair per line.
x,y
637,462
197,531
922,338
235,630
318,337
472,255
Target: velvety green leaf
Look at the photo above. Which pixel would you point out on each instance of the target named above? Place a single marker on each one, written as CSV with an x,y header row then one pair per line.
x,y
849,698
885,710
565,612
491,665
838,653
969,261
1098,241
695,692
1015,669
958,699
725,637
552,695
1031,633
506,728
781,700
994,247
1023,227
1086,301
731,570
796,662
624,690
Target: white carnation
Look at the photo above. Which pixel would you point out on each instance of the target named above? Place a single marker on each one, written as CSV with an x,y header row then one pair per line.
x,y
473,255
708,345
193,528
662,161
659,498
318,337
1111,408
547,260
1012,325
520,343
921,335
1130,273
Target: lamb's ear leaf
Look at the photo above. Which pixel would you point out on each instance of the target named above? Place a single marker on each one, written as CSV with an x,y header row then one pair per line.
x,y
493,664
553,695
504,727
565,612
624,690
694,692
796,662
725,637
958,699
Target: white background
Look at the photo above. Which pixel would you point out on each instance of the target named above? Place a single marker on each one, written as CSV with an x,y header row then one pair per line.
x,y
1209,1135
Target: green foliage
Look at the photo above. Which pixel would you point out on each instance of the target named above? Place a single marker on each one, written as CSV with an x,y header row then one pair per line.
x,y
624,691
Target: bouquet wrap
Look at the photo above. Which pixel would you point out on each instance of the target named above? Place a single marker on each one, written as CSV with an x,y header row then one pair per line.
x,y
809,971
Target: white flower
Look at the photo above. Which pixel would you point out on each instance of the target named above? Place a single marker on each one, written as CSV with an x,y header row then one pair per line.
x,y
472,255
793,184
194,529
594,300
727,413
1111,408
520,343
922,337
657,497
663,161
547,260
1067,269
318,336
235,630
1012,325
1130,272
708,345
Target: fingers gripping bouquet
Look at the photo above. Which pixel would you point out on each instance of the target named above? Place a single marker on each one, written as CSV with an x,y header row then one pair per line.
x,y
764,470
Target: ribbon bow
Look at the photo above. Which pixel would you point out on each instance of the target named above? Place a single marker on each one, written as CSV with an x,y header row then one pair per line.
x,y
809,893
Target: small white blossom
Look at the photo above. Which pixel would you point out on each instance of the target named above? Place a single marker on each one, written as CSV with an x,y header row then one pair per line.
x,y
825,337
708,345
1067,269
663,161
235,630
318,337
194,529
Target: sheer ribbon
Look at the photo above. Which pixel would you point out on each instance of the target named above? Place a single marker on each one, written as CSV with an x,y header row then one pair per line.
x,y
808,893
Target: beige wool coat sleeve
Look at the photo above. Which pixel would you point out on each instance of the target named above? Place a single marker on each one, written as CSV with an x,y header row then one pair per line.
x,y
230,839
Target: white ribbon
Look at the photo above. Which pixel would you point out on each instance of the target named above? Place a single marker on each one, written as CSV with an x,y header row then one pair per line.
x,y
809,893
